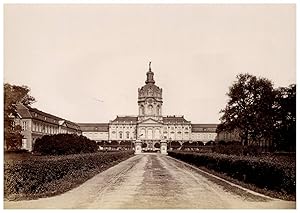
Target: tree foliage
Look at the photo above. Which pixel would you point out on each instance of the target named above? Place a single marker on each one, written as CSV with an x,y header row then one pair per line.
x,y
249,108
14,95
259,112
64,144
285,126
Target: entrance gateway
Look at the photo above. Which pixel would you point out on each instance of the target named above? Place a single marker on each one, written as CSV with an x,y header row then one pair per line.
x,y
138,147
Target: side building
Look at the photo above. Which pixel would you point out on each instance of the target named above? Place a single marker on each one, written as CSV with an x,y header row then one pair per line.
x,y
204,132
36,123
228,136
95,131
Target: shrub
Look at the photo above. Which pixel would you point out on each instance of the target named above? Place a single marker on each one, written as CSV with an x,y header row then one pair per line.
x,y
252,150
210,143
173,145
126,143
263,174
228,149
236,148
221,142
101,143
114,144
200,143
19,151
157,145
43,176
64,144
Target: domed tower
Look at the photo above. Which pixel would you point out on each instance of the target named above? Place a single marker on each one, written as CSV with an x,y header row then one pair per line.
x,y
150,99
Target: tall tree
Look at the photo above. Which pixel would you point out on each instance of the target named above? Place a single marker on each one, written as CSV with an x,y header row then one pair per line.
x,y
12,96
285,105
250,108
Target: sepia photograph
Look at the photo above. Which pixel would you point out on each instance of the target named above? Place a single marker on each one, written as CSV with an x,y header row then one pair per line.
x,y
149,106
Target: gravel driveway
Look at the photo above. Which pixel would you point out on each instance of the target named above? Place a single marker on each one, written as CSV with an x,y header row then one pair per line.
x,y
155,181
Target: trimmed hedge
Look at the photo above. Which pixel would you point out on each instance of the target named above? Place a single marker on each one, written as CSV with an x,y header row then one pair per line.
x,y
263,174
236,148
64,144
43,176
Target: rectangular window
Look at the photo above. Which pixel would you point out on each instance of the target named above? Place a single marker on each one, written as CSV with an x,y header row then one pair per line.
x,y
24,125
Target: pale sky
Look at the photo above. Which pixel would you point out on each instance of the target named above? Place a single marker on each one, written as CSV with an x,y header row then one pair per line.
x,y
72,55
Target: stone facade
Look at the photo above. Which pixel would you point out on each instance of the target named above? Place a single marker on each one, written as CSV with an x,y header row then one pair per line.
x,y
227,136
95,131
36,124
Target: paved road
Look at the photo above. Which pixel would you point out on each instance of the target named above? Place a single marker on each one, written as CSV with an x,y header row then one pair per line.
x,y
155,181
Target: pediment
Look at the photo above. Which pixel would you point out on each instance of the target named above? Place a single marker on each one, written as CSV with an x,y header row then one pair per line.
x,y
62,123
151,121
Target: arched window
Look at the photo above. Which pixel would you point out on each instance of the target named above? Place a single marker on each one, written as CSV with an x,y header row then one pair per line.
x,y
150,109
127,135
157,134
150,134
142,133
172,135
120,135
142,110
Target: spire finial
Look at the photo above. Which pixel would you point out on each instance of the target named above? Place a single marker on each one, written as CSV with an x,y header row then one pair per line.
x,y
150,75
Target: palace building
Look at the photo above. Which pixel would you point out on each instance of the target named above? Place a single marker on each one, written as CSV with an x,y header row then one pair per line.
x,y
149,127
